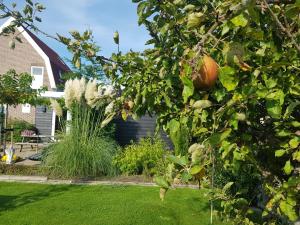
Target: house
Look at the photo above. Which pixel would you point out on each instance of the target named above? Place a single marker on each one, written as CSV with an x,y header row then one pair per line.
x,y
36,58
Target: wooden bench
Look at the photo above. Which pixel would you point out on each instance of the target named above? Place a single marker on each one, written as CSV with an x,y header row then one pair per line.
x,y
30,138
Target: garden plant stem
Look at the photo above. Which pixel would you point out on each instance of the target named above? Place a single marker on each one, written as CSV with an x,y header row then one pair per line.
x,y
212,183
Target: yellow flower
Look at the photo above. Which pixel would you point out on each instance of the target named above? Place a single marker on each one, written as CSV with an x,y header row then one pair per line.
x,y
3,158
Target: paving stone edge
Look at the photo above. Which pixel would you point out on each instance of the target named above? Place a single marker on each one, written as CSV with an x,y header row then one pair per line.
x,y
45,180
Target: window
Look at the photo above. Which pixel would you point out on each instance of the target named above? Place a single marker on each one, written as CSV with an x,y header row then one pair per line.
x,y
26,108
37,73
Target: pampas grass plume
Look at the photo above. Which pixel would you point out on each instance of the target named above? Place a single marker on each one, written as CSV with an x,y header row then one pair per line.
x,y
56,107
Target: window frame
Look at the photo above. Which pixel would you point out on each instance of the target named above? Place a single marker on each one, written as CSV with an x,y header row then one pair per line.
x,y
43,72
27,107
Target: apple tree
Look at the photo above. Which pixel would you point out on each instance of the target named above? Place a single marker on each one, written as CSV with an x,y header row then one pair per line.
x,y
223,79
243,130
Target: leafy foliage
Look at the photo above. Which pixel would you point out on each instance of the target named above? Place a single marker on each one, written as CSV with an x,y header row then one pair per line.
x,y
86,66
244,124
258,81
16,89
145,157
27,17
251,124
19,126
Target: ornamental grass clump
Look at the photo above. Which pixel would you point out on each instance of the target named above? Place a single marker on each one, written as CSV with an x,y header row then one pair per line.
x,y
86,149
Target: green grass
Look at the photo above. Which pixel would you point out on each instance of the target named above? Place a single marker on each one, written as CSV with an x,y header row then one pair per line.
x,y
36,204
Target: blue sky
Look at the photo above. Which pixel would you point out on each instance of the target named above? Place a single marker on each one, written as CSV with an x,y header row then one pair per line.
x,y
103,17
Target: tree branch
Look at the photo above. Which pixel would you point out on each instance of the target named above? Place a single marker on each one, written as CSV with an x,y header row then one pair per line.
x,y
281,1
204,38
283,28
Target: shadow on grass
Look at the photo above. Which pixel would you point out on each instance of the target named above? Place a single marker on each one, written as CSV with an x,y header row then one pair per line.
x,y
199,203
8,202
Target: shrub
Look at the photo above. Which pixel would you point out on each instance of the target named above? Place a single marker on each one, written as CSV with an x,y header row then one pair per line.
x,y
145,157
19,126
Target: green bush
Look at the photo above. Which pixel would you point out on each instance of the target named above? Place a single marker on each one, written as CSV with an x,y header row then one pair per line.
x,y
85,151
19,126
145,157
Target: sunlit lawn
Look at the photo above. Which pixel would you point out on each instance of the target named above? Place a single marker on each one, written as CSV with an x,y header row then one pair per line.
x,y
37,204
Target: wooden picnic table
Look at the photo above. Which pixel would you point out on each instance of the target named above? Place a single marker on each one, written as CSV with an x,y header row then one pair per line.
x,y
33,140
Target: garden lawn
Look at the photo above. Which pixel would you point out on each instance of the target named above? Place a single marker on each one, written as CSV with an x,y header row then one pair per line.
x,y
36,204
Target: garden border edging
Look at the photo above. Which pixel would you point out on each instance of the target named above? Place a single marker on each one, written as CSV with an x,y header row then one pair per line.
x,y
45,180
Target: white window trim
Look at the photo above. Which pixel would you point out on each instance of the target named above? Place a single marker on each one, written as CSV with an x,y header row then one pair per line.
x,y
43,72
43,68
26,107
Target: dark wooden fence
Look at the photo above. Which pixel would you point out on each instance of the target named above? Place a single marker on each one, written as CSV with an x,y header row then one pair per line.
x,y
126,131
134,130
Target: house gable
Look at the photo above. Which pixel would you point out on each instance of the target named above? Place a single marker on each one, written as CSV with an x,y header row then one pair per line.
x,y
36,48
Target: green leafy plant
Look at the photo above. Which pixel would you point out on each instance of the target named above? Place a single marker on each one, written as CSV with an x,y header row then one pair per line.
x,y
247,121
16,89
19,126
145,157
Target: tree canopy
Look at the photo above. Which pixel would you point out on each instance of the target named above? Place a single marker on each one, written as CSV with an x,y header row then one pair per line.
x,y
16,89
240,135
